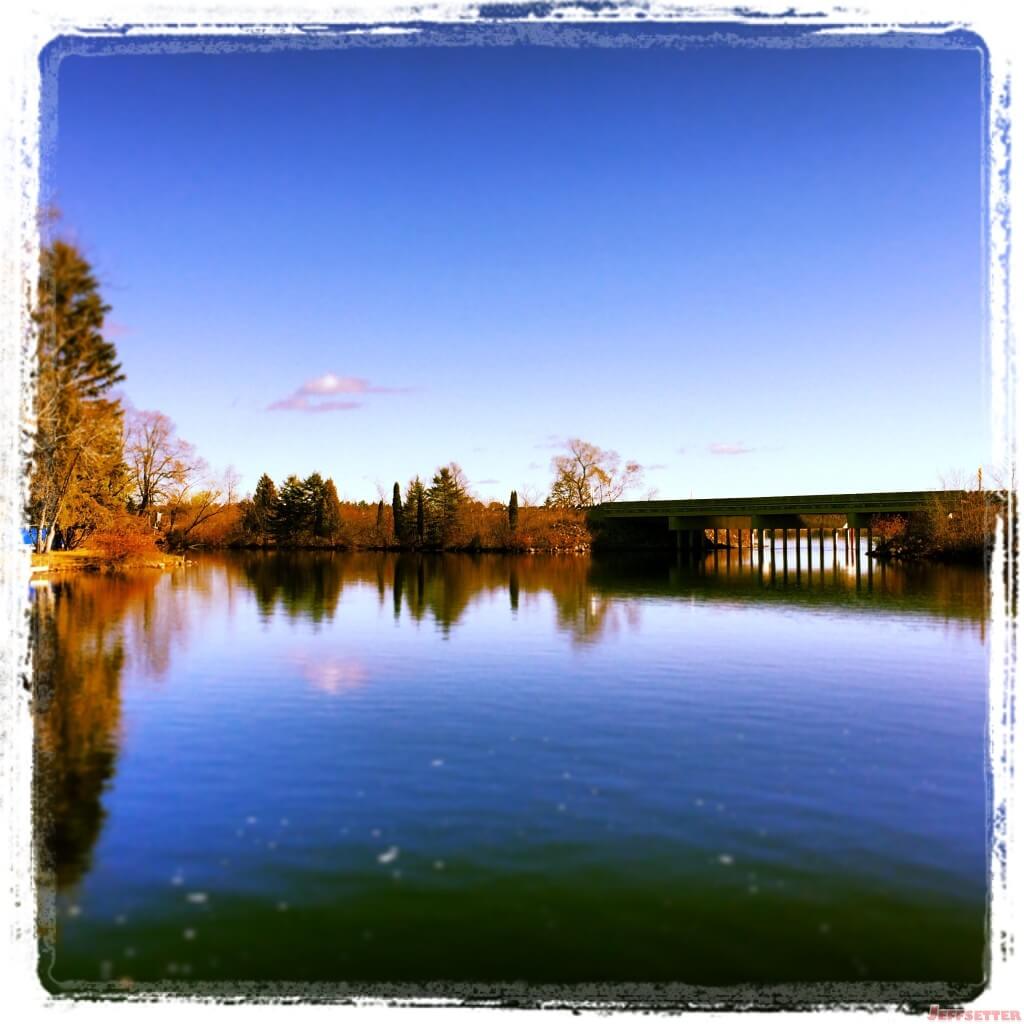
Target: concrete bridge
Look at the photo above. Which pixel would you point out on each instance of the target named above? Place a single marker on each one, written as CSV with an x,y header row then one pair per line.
x,y
691,520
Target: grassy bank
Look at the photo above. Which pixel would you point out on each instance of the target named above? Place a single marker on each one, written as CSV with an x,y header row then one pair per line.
x,y
96,560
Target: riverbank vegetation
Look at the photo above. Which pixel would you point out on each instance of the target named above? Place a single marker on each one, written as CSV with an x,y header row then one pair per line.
x,y
961,530
439,515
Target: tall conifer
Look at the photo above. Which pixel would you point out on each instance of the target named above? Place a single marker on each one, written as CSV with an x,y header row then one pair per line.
x,y
397,513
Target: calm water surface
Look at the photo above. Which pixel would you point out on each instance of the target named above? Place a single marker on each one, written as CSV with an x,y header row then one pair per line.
x,y
372,768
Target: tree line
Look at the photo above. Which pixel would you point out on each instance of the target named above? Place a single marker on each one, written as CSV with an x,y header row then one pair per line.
x,y
441,514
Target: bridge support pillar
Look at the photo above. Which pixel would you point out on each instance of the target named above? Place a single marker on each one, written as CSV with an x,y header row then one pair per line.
x,y
785,553
856,550
760,547
871,561
796,532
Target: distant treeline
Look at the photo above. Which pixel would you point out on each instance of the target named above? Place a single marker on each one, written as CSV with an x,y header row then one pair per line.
x,y
441,515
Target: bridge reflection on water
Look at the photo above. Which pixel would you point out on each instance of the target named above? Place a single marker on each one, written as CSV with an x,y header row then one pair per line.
x,y
789,555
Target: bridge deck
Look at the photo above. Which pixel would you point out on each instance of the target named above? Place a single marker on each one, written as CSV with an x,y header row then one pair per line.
x,y
794,504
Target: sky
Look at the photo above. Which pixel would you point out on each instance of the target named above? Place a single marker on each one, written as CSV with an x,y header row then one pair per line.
x,y
753,270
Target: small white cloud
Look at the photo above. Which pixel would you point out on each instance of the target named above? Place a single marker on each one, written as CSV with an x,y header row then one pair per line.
x,y
328,384
332,384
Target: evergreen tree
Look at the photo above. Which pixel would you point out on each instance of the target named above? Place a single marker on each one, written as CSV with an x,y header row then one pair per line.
x,y
331,511
414,528
380,515
259,516
444,500
513,511
396,511
323,509
291,514
316,505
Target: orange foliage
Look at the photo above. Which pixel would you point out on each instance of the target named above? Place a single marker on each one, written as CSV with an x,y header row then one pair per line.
x,y
124,538
478,527
889,527
220,529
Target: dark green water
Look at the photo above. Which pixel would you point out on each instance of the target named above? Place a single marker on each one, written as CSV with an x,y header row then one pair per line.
x,y
371,769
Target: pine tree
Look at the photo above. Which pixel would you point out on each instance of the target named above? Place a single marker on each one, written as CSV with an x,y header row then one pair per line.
x,y
444,500
397,513
513,511
322,508
78,437
291,515
414,529
316,506
380,514
331,511
259,516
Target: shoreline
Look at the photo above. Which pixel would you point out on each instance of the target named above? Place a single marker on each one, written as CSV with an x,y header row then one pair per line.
x,y
57,562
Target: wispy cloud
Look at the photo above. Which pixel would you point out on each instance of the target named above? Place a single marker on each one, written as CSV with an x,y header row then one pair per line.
x,y
485,481
551,441
729,448
656,465
319,388
300,403
681,451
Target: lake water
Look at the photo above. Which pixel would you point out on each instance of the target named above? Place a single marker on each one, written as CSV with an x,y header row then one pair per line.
x,y
541,771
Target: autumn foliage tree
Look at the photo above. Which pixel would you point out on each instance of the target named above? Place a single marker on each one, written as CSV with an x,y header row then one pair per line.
x,y
195,501
159,462
586,475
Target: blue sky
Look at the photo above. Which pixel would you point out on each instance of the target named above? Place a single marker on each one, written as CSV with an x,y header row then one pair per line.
x,y
752,270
